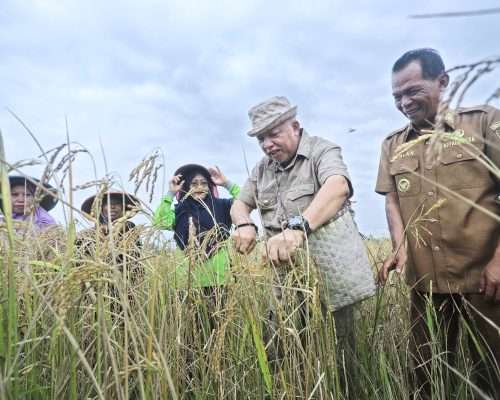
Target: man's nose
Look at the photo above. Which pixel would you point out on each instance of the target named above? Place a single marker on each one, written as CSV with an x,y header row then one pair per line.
x,y
406,101
267,143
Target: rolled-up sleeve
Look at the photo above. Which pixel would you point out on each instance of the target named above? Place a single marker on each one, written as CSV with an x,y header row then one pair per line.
x,y
248,192
330,162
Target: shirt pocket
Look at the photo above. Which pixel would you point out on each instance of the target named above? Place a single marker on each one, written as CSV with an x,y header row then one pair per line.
x,y
267,200
406,176
299,197
460,169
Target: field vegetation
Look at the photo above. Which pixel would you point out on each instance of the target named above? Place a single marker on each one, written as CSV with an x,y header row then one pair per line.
x,y
88,326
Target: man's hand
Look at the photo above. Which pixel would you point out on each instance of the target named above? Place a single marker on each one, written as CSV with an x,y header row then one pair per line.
x,y
244,239
395,261
284,245
490,281
217,176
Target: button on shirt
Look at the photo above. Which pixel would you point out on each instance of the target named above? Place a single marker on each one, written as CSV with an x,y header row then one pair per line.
x,y
450,240
282,192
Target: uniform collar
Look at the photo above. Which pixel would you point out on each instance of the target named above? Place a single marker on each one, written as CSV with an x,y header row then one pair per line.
x,y
449,120
304,150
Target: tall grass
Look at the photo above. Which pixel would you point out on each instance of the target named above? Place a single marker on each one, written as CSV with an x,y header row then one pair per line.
x,y
85,330
80,325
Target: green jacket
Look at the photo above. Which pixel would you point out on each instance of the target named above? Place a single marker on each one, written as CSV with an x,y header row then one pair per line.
x,y
164,215
214,271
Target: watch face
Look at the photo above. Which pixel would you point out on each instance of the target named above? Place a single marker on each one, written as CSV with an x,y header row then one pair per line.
x,y
296,221
299,223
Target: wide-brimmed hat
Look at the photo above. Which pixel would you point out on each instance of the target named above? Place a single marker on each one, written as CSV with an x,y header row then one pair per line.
x,y
189,169
269,114
127,199
47,202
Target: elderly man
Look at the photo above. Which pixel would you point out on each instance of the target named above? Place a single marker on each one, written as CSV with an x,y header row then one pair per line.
x,y
441,194
301,188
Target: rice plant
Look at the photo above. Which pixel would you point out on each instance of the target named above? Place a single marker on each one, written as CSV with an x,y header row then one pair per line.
x,y
116,323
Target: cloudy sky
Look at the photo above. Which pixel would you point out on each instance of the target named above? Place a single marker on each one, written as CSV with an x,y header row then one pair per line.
x,y
181,75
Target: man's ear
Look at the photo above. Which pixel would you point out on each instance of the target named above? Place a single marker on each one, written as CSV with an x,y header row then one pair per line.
x,y
444,80
296,125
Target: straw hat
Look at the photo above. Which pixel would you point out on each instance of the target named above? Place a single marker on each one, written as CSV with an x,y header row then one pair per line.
x,y
48,201
126,198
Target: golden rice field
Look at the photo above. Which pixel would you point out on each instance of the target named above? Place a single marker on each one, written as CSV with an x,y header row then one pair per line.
x,y
77,327
113,324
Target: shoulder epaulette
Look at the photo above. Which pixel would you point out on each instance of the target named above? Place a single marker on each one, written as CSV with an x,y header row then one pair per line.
x,y
397,131
482,108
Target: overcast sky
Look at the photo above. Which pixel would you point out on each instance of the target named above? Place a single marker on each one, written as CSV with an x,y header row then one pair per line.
x,y
181,75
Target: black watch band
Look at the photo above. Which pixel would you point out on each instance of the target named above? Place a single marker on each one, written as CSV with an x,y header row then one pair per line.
x,y
299,223
248,224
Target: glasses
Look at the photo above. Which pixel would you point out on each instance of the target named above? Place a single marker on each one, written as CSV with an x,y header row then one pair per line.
x,y
199,183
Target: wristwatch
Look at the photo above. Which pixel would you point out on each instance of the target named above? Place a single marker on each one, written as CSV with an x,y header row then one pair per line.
x,y
299,223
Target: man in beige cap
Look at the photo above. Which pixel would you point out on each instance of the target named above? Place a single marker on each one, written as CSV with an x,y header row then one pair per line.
x,y
302,189
295,169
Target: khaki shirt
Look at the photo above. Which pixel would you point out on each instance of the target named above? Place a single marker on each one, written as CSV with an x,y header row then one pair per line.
x,y
448,245
280,193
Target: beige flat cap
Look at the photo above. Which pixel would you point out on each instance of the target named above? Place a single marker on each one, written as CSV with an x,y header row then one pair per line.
x,y
269,114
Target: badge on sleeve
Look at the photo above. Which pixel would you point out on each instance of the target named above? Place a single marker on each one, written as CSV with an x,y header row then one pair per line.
x,y
404,185
496,128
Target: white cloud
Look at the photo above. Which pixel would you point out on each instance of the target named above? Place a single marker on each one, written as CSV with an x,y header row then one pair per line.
x,y
181,75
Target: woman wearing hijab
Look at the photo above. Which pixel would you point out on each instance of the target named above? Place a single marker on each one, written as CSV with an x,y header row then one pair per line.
x,y
24,209
37,235
200,220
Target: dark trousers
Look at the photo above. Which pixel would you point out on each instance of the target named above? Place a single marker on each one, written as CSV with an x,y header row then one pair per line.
x,y
434,337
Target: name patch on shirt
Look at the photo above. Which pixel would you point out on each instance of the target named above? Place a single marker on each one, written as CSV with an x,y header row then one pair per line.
x,y
406,154
468,139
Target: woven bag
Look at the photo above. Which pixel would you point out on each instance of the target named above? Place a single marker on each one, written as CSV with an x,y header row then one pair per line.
x,y
337,249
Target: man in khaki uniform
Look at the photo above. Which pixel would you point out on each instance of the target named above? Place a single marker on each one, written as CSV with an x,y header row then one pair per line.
x,y
442,208
302,186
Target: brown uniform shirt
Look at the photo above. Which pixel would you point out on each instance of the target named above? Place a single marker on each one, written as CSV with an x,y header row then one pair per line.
x,y
280,193
450,244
